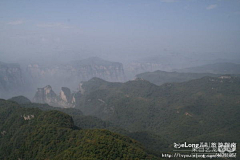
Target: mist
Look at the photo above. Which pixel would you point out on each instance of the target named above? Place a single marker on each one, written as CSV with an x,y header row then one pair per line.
x,y
118,30
141,35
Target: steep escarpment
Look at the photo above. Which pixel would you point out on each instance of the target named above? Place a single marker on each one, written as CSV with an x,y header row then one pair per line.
x,y
75,72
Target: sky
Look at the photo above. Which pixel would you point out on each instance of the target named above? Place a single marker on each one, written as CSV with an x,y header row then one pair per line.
x,y
118,29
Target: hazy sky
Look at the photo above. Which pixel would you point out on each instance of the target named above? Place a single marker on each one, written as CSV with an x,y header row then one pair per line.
x,y
116,28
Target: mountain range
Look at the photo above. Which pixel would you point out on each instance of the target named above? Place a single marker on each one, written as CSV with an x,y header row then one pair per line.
x,y
199,110
16,80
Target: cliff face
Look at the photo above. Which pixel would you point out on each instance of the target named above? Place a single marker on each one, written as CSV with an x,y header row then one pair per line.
x,y
65,99
45,95
11,79
72,74
65,95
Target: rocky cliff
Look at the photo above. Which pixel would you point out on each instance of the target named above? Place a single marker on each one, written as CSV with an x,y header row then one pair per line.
x,y
71,74
65,99
11,79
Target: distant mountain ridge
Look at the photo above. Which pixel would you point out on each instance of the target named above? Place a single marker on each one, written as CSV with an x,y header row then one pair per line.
x,y
160,77
217,68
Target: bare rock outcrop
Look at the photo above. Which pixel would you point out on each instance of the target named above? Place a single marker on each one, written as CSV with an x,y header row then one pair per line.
x,y
65,99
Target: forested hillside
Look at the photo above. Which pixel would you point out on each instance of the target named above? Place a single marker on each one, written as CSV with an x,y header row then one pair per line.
x,y
29,133
201,109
